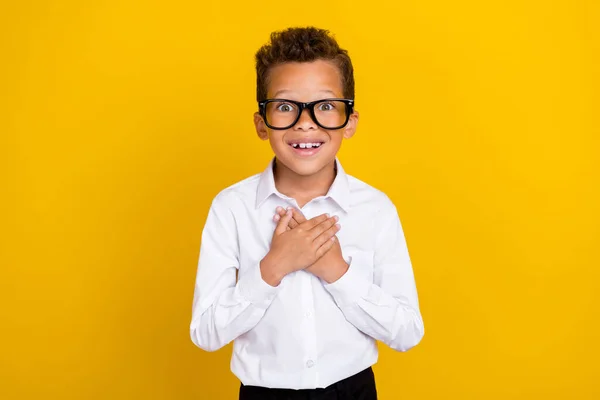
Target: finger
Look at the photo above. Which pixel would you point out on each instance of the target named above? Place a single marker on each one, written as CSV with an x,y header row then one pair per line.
x,y
283,223
311,223
298,216
280,212
293,223
326,235
277,217
325,247
322,227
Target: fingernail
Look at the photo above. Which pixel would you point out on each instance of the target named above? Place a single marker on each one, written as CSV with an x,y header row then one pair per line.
x,y
337,226
336,218
279,208
276,217
328,215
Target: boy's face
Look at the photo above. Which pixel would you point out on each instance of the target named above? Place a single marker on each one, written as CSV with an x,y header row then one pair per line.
x,y
305,82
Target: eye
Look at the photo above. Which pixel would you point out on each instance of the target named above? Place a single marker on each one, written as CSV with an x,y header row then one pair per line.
x,y
286,107
326,106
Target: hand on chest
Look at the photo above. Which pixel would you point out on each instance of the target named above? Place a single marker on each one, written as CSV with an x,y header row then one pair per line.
x,y
355,238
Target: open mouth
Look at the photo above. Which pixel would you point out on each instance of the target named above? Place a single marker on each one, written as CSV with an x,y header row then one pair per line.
x,y
314,145
306,148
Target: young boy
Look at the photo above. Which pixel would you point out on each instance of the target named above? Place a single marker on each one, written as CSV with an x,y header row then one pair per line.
x,y
322,266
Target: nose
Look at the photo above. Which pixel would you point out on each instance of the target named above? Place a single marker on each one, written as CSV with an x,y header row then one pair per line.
x,y
305,122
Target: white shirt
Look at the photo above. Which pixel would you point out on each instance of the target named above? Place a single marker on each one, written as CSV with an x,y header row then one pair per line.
x,y
304,333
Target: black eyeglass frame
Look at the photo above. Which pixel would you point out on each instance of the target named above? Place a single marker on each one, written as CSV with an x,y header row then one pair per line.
x,y
262,108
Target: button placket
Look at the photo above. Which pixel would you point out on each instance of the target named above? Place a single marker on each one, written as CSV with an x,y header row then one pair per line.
x,y
308,305
312,332
309,343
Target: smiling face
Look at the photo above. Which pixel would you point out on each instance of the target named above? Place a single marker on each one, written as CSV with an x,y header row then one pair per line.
x,y
305,148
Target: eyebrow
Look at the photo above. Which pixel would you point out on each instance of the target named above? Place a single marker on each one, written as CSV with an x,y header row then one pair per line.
x,y
279,92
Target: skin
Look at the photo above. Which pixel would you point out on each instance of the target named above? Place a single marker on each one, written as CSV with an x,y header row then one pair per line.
x,y
304,178
331,266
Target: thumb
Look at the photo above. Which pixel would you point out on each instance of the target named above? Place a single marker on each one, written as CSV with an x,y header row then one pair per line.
x,y
283,223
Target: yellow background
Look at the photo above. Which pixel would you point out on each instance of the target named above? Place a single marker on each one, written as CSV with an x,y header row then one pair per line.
x,y
120,120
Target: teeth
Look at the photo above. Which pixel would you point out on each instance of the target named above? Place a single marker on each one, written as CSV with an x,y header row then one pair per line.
x,y
306,145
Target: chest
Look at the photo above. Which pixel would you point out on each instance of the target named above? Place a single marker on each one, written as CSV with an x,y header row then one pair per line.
x,y
255,228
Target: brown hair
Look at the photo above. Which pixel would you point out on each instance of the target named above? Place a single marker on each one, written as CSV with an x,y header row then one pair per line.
x,y
302,45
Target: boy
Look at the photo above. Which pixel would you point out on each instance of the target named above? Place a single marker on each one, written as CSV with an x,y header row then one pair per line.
x,y
323,268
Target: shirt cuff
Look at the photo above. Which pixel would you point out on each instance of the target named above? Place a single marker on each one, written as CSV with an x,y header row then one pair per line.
x,y
254,289
351,287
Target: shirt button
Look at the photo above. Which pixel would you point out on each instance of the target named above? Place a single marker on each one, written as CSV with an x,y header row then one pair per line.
x,y
308,314
310,363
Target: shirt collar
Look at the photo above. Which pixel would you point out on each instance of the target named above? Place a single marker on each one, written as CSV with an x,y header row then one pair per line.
x,y
339,190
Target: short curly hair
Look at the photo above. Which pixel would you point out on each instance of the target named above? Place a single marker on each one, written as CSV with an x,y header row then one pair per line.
x,y
302,45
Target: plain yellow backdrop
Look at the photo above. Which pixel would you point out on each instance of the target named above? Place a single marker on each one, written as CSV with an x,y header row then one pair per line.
x,y
120,120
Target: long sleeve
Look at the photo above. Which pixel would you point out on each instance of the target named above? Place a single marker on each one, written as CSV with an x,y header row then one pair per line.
x,y
224,309
386,308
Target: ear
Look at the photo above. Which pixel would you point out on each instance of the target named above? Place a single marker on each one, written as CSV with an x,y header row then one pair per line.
x,y
350,128
261,128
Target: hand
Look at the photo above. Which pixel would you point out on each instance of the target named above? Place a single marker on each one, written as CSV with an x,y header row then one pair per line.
x,y
296,249
331,266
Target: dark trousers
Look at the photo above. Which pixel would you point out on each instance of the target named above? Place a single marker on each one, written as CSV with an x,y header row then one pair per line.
x,y
357,387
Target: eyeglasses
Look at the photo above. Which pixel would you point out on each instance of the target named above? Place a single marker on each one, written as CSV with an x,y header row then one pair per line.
x,y
327,113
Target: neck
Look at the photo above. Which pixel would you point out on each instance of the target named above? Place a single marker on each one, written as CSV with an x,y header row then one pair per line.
x,y
303,188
